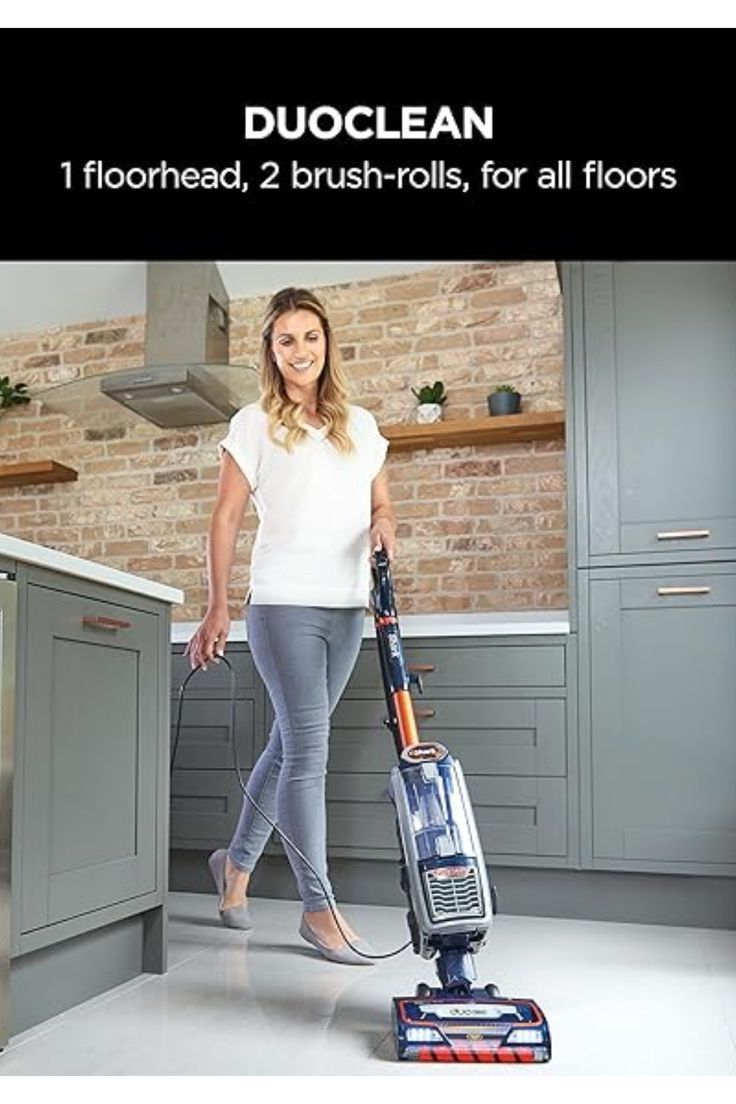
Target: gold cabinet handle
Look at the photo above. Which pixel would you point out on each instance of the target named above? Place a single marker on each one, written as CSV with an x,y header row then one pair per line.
x,y
422,714
420,668
102,622
667,591
683,534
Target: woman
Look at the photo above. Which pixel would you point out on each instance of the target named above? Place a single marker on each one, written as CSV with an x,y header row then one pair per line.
x,y
314,465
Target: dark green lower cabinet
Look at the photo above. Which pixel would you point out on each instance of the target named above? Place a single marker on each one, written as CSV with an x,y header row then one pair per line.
x,y
516,817
89,841
513,750
662,707
206,797
498,704
90,770
489,735
205,807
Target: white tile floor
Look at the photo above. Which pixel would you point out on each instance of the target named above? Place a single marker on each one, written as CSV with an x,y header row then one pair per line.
x,y
620,999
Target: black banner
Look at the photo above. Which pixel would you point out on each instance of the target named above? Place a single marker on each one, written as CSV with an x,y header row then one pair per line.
x,y
383,145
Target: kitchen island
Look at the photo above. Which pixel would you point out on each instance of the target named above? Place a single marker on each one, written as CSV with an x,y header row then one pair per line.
x,y
84,703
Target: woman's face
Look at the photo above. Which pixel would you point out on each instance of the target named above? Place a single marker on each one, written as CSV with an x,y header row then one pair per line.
x,y
299,347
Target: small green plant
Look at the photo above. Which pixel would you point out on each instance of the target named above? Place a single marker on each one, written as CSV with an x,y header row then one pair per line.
x,y
12,393
433,394
505,387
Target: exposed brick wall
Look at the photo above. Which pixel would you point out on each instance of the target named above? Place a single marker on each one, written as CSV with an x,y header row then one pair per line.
x,y
481,527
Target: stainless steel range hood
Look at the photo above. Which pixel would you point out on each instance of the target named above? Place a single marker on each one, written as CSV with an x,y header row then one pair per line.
x,y
186,378
187,333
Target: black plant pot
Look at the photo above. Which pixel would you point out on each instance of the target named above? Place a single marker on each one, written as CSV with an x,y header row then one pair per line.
x,y
504,402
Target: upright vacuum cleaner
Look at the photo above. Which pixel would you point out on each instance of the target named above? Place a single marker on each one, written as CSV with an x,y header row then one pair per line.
x,y
443,873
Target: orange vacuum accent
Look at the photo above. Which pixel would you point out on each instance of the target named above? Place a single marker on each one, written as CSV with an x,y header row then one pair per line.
x,y
407,720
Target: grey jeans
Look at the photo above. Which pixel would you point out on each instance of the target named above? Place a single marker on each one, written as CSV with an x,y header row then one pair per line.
x,y
305,655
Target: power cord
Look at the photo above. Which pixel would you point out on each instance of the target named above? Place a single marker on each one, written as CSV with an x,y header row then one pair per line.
x,y
256,806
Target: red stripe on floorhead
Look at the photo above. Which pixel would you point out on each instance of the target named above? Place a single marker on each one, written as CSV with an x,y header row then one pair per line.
x,y
464,1052
505,1054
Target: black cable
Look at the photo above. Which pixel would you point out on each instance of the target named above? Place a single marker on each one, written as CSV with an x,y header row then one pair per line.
x,y
256,806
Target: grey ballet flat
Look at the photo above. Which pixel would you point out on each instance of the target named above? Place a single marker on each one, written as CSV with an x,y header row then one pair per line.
x,y
239,915
344,954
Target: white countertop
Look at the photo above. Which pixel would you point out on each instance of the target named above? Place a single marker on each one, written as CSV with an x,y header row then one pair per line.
x,y
36,554
511,623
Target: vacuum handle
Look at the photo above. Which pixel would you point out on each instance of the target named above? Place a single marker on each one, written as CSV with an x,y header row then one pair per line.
x,y
396,680
383,595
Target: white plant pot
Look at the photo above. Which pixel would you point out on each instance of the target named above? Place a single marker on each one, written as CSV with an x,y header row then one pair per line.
x,y
429,412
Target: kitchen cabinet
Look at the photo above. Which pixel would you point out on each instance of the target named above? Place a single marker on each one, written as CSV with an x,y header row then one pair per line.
x,y
205,795
8,636
499,704
88,832
651,386
654,346
84,781
662,708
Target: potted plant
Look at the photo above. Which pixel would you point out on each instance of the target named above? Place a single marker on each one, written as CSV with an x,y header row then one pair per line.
x,y
504,399
430,401
12,393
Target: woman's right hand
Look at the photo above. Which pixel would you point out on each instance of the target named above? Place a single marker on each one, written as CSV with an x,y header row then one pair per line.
x,y
210,638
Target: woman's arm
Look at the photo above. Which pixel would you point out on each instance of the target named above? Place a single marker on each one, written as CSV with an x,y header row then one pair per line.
x,y
233,493
383,519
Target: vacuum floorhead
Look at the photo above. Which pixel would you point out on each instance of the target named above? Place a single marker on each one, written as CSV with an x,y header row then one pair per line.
x,y
470,1028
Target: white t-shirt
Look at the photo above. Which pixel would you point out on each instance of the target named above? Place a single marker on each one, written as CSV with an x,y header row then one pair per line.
x,y
314,508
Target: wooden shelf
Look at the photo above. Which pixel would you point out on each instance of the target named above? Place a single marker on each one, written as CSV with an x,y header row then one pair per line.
x,y
38,471
497,429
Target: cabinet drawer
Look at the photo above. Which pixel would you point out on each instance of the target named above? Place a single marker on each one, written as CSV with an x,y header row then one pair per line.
x,y
205,806
515,816
77,617
205,740
690,535
488,735
215,681
486,665
662,591
520,816
360,815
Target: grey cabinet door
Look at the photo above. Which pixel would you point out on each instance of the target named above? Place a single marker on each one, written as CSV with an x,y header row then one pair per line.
x,y
515,816
205,807
660,393
662,708
488,735
500,708
91,726
206,733
474,666
205,793
215,682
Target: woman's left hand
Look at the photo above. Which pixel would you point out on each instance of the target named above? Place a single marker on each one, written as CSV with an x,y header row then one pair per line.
x,y
383,535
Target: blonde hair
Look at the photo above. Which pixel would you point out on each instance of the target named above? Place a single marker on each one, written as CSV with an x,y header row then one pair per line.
x,y
332,405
